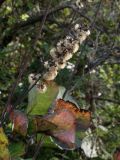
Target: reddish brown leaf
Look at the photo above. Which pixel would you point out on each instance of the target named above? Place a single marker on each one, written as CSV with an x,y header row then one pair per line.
x,y
62,124
83,117
43,125
64,134
20,122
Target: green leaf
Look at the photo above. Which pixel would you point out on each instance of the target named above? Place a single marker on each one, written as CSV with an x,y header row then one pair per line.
x,y
4,152
48,143
39,103
17,149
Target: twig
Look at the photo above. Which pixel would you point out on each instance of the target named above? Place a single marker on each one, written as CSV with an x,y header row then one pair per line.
x,y
102,99
97,62
85,43
21,70
19,76
27,91
96,14
36,18
107,99
44,18
90,67
39,16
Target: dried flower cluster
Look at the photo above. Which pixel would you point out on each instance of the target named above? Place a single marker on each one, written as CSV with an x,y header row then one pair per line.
x,y
40,85
64,51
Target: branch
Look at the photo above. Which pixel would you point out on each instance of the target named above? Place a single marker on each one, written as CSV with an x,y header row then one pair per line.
x,y
102,99
97,62
90,67
39,16
21,70
110,52
36,18
107,99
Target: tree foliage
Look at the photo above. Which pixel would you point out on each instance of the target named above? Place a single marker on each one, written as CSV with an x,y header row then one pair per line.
x,y
59,49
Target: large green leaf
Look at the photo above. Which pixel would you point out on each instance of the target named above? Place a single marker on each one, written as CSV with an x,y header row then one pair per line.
x,y
39,103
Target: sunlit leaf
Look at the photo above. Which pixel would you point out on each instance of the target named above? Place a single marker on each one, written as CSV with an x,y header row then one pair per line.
x,y
39,103
4,152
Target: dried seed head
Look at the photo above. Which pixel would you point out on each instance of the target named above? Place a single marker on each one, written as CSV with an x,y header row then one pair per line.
x,y
64,50
31,78
66,42
77,26
41,87
69,38
46,64
75,47
61,64
83,35
60,43
51,74
88,32
53,53
59,50
61,46
67,56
